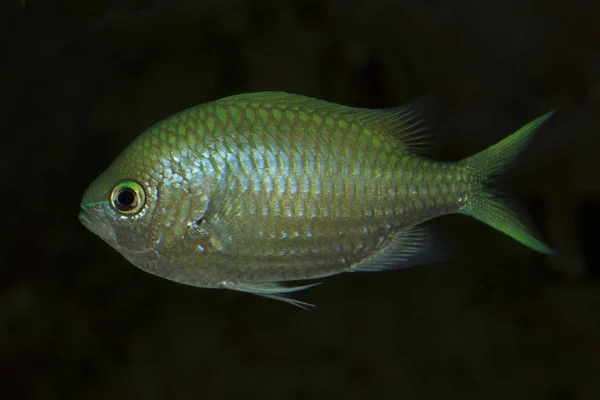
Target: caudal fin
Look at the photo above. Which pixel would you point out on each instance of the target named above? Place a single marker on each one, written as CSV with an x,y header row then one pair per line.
x,y
490,206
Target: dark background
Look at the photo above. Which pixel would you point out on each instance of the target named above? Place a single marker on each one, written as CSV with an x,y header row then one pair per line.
x,y
80,79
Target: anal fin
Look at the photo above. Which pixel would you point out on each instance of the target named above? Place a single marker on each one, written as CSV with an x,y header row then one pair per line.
x,y
418,245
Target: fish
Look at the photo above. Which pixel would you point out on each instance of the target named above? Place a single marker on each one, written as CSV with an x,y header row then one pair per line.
x,y
256,192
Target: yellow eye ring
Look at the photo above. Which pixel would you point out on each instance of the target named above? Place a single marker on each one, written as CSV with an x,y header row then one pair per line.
x,y
128,197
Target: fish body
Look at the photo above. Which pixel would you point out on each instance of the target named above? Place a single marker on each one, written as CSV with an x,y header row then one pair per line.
x,y
254,190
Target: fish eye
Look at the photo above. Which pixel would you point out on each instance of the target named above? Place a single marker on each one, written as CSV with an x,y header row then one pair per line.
x,y
128,197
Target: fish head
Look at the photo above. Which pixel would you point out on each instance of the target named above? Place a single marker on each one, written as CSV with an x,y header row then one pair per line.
x,y
119,205
143,209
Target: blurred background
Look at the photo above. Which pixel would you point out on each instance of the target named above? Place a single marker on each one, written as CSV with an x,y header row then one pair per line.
x,y
80,79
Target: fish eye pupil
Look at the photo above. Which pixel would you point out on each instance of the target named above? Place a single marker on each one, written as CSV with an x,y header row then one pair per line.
x,y
126,199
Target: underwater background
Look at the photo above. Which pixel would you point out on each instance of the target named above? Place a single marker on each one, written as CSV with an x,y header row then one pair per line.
x,y
80,79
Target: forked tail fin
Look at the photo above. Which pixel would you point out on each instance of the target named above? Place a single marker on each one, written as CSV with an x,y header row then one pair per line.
x,y
490,206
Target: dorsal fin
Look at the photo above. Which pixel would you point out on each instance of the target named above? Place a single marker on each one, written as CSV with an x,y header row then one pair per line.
x,y
408,123
267,99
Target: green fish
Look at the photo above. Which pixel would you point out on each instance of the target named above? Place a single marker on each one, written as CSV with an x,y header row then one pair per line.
x,y
255,190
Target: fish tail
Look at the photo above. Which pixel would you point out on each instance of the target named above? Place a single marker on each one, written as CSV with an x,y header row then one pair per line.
x,y
487,204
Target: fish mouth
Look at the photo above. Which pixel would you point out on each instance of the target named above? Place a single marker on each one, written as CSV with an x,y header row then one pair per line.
x,y
83,216
96,223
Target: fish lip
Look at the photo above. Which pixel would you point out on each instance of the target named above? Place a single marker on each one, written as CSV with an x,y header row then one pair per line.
x,y
83,215
96,223
84,219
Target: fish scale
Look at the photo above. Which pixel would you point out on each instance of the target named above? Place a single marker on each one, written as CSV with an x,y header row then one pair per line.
x,y
334,243
254,190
